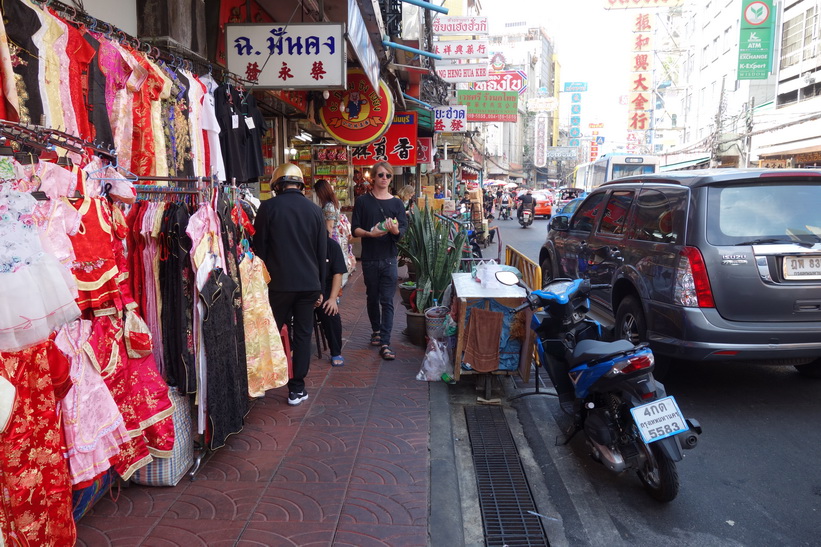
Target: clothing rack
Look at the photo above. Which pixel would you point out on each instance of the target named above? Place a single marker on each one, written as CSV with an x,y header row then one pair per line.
x,y
39,137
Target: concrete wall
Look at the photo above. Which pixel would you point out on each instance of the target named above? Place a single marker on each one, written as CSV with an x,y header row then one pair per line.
x,y
122,13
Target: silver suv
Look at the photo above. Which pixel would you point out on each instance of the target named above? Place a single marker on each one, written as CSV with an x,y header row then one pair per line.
x,y
718,264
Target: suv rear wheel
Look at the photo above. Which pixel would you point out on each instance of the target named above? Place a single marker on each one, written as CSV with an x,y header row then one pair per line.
x,y
630,323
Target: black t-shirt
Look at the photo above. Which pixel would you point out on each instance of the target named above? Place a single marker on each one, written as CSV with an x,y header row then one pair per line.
x,y
335,264
367,211
527,199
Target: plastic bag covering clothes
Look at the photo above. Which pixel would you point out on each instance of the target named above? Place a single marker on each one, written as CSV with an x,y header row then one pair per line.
x,y
485,273
137,336
436,361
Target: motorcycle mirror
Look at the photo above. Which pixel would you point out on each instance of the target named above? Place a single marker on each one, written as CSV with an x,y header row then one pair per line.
x,y
507,278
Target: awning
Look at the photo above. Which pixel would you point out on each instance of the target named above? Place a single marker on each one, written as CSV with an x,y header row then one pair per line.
x,y
690,164
791,148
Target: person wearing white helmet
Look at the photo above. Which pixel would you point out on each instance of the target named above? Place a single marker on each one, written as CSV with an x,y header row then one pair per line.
x,y
291,238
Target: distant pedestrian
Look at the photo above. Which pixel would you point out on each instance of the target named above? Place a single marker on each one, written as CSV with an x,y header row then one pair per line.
x,y
408,197
380,220
328,306
292,240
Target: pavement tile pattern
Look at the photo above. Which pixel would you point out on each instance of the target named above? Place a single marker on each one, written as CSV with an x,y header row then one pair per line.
x,y
349,466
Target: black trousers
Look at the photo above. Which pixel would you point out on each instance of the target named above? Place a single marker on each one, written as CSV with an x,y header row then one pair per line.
x,y
296,309
332,325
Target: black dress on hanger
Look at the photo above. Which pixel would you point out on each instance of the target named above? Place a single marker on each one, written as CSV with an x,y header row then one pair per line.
x,y
22,23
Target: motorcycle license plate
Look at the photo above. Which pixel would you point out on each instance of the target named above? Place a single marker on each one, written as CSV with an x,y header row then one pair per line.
x,y
659,419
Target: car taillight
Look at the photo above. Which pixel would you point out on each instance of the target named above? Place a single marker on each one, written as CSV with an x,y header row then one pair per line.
x,y
638,362
692,283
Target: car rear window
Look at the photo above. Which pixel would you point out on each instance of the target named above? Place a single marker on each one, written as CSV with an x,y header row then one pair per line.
x,y
773,212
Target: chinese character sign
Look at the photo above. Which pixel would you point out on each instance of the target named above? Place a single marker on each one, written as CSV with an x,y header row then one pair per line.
x,y
399,146
540,140
450,119
461,49
293,56
640,85
490,106
644,4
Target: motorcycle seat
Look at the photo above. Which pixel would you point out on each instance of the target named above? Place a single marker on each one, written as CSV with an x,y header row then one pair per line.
x,y
592,350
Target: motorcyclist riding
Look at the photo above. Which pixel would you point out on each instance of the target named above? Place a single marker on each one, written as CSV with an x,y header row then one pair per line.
x,y
526,200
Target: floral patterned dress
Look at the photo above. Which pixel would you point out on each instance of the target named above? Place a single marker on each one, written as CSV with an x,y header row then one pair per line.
x,y
35,488
266,360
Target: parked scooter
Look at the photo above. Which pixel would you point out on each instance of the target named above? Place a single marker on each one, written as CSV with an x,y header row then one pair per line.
x,y
608,388
527,217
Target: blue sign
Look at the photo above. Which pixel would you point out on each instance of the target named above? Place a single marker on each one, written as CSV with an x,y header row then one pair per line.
x,y
575,86
575,120
575,109
599,140
575,132
576,98
574,142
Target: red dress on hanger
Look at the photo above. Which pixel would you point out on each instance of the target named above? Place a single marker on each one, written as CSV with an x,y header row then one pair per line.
x,y
35,486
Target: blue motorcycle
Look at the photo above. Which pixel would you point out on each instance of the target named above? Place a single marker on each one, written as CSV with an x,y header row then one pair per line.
x,y
608,388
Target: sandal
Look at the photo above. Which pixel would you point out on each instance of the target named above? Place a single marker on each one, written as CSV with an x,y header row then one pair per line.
x,y
387,353
337,361
376,339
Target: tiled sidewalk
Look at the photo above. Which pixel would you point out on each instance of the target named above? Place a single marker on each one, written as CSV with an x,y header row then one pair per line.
x,y
350,466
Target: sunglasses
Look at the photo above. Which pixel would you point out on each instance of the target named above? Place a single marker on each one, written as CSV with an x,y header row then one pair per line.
x,y
384,176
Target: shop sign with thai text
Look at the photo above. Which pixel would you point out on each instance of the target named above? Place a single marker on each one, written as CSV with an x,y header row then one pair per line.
x,y
571,87
450,119
490,106
509,80
398,146
453,73
293,56
542,104
562,153
642,4
461,49
359,114
459,26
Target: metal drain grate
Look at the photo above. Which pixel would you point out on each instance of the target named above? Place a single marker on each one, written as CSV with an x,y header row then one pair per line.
x,y
504,494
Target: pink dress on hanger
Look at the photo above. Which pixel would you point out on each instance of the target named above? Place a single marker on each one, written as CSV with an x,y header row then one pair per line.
x,y
92,423
36,297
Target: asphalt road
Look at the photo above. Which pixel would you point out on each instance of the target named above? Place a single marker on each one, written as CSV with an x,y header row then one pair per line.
x,y
754,479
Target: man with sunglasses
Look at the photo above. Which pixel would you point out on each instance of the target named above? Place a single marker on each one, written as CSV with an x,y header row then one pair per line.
x,y
379,219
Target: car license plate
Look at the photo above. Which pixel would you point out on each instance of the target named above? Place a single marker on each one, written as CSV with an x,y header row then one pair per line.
x,y
659,419
802,267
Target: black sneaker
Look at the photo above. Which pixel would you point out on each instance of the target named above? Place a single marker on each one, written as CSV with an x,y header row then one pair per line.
x,y
295,398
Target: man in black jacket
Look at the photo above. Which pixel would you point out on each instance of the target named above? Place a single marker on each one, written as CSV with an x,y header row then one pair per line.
x,y
380,220
291,238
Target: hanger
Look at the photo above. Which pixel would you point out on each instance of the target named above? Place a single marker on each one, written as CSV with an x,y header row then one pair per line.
x,y
122,170
6,150
26,158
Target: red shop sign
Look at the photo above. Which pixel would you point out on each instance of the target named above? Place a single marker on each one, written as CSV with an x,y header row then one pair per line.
x,y
398,146
424,150
359,114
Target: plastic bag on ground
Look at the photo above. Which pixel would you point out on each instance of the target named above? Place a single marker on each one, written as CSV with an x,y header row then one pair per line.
x,y
436,362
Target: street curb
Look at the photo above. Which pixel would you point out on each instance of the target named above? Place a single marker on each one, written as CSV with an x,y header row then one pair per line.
x,y
445,522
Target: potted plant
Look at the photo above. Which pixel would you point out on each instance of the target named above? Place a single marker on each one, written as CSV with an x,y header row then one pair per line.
x,y
435,252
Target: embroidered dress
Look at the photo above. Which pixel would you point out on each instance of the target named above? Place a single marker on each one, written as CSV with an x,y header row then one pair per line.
x,y
267,363
35,296
92,423
9,105
144,158
95,269
35,487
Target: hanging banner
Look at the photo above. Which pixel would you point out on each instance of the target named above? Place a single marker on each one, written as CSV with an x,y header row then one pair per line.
x,y
540,133
450,119
490,106
424,150
509,80
453,73
358,114
461,49
292,56
397,146
459,26
755,43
